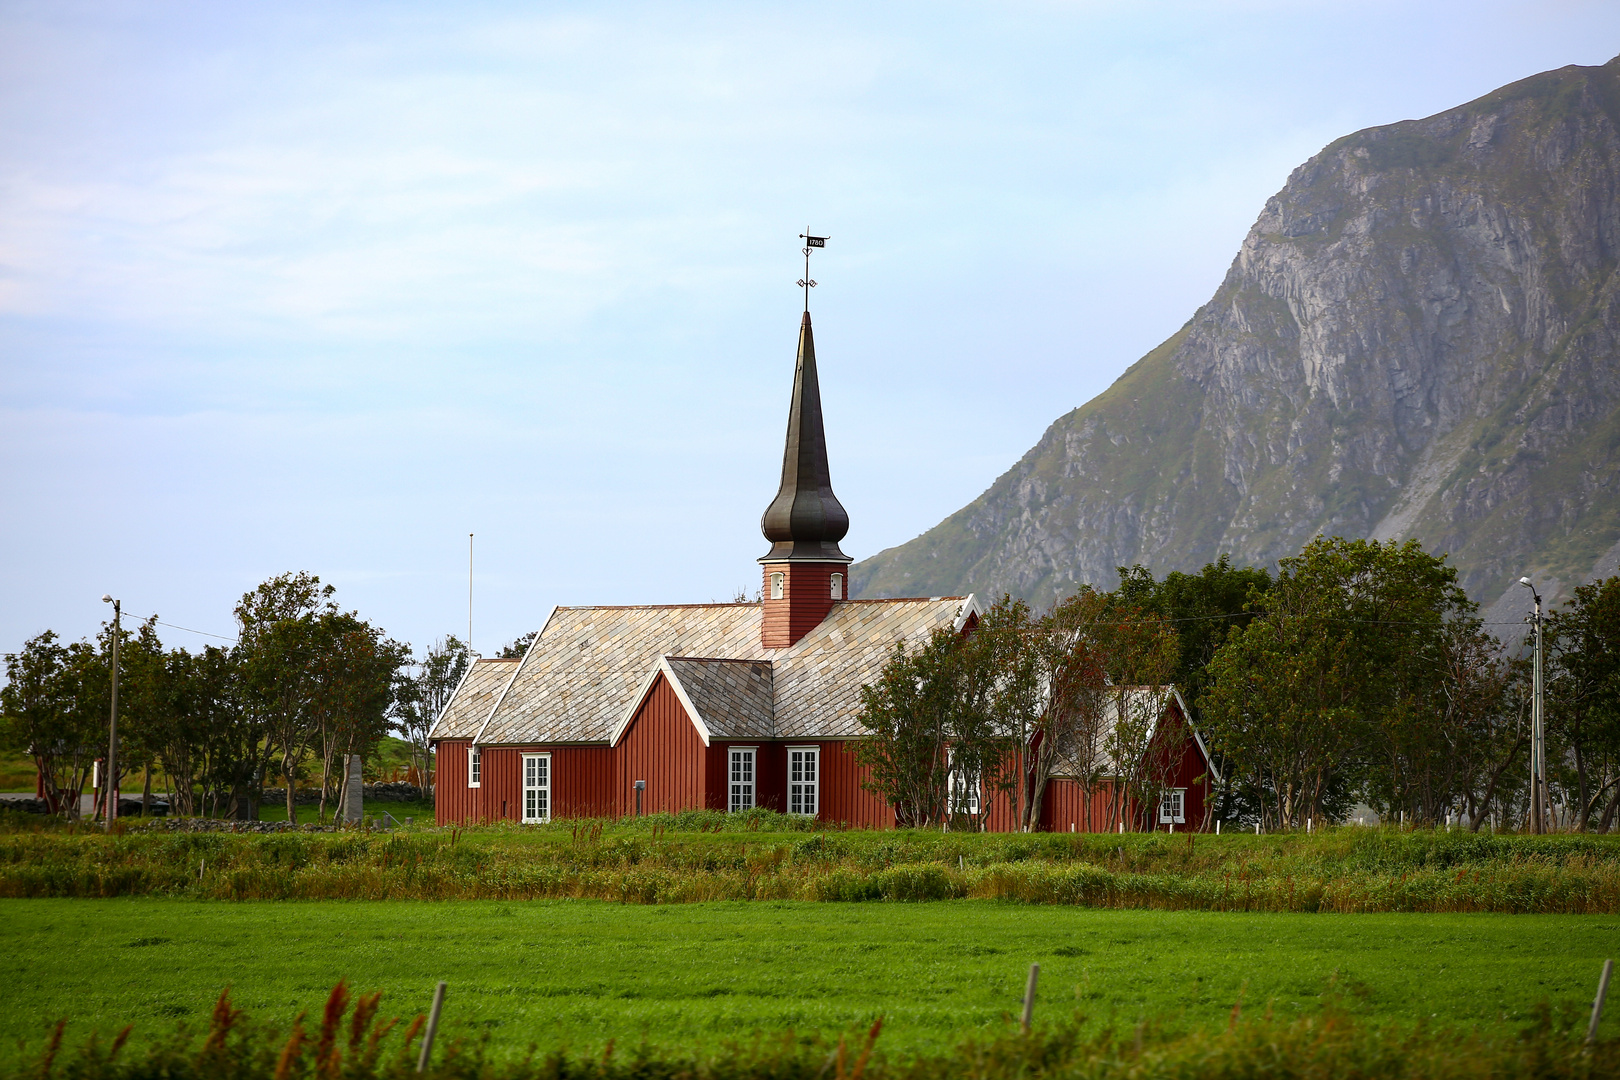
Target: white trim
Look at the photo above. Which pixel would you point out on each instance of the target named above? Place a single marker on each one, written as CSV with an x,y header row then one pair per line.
x,y
969,607
1186,714
777,581
836,581
479,738
813,785
524,789
474,753
1178,815
640,698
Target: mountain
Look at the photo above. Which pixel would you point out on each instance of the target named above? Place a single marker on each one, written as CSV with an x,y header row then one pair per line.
x,y
1417,339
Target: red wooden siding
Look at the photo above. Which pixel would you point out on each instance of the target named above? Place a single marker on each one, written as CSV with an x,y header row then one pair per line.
x,y
663,748
453,801
842,797
806,600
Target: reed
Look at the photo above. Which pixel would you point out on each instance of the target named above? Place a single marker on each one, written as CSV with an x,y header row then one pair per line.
x,y
351,1039
1344,870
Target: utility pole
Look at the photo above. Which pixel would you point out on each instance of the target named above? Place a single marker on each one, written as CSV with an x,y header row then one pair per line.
x,y
110,788
469,594
1538,727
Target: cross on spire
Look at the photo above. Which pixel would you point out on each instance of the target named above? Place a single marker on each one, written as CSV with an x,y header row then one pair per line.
x,y
805,282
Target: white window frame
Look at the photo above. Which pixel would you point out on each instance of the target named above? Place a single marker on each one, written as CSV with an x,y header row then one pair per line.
x,y
536,810
778,584
742,778
957,788
838,586
475,766
1173,806
804,780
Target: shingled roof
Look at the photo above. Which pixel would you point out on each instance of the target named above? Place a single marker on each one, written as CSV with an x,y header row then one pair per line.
x,y
1142,704
589,667
469,706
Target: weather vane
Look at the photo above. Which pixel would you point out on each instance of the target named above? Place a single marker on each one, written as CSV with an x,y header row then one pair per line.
x,y
809,242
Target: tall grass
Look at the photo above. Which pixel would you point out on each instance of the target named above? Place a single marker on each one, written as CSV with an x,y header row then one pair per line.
x,y
1348,870
352,1040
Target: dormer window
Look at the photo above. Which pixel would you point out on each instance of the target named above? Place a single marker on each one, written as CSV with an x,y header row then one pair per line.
x,y
838,586
778,579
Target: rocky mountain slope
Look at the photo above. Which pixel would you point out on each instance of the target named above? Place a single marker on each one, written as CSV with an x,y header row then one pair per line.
x,y
1418,338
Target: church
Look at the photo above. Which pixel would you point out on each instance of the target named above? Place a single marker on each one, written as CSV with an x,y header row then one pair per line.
x,y
617,711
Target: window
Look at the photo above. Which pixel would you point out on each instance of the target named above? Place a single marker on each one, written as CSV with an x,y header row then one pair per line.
x,y
742,779
803,784
964,788
838,586
475,768
1172,806
536,788
777,580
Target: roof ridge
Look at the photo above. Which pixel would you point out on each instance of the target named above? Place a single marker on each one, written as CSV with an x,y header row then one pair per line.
x,y
716,659
654,607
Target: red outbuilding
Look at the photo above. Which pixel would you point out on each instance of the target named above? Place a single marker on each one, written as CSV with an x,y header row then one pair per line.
x,y
623,710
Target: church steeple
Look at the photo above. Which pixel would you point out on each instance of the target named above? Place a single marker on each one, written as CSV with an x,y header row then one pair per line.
x,y
805,521
805,571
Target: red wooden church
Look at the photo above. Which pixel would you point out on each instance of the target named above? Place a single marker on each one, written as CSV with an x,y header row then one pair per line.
x,y
623,710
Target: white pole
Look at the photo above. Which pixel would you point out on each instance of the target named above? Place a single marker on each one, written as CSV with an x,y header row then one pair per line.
x,y
1217,826
1597,1002
469,593
1029,996
432,1029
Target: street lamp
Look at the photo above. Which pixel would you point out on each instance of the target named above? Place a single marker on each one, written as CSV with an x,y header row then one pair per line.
x,y
110,788
1538,729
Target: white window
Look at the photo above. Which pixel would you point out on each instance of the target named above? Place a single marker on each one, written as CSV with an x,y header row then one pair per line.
x,y
838,586
964,788
536,788
777,580
1172,806
804,768
742,778
475,766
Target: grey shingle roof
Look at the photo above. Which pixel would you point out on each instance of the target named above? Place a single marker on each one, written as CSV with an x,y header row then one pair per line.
x,y
470,705
585,669
1142,704
732,698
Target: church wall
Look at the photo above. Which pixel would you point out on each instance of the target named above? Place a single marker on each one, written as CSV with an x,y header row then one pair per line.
x,y
770,767
454,803
842,797
662,747
1064,807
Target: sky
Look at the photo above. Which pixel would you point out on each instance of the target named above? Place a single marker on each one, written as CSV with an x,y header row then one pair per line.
x,y
329,286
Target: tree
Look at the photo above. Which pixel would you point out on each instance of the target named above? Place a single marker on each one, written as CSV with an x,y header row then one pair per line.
x,y
53,716
909,712
1583,696
518,646
1339,682
425,695
1204,608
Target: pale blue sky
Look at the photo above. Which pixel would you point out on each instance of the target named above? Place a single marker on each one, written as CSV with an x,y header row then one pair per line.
x,y
328,286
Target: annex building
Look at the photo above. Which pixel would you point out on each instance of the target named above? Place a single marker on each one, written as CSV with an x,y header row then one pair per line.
x,y
615,711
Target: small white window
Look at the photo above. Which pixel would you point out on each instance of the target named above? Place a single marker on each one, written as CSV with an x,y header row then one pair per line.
x,y
475,766
536,788
1172,806
803,779
742,778
964,788
777,580
838,586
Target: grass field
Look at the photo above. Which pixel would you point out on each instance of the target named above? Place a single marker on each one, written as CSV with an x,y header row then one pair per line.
x,y
308,813
581,972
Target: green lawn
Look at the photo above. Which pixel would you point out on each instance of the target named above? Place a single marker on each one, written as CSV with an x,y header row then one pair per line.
x,y
580,972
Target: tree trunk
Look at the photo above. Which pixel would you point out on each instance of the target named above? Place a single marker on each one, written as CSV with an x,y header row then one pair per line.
x,y
146,790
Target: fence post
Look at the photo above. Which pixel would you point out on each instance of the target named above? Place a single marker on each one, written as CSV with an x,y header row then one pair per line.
x,y
1029,996
432,1028
1597,1002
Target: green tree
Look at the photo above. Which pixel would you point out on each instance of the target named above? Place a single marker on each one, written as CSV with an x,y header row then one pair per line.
x,y
1583,697
1203,607
910,715
53,716
426,693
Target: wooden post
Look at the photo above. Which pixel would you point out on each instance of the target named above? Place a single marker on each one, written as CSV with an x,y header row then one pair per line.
x,y
1029,996
432,1028
1597,1002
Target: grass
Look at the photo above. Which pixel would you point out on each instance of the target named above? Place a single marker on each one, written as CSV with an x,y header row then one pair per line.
x,y
420,810
1344,871
361,1042
577,974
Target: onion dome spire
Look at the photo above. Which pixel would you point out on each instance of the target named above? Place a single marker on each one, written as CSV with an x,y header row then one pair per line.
x,y
805,521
